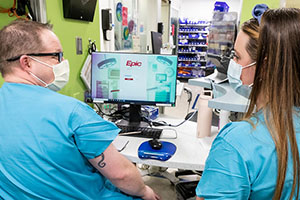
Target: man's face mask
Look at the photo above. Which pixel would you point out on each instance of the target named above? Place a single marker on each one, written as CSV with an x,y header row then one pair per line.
x,y
234,77
61,73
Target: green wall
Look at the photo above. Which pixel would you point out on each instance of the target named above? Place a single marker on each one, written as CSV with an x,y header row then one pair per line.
x,y
4,20
67,30
248,5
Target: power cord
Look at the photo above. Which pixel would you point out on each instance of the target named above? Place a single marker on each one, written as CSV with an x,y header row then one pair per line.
x,y
114,116
163,123
122,113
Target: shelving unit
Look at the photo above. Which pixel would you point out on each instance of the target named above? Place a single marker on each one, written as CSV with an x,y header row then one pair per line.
x,y
192,48
222,33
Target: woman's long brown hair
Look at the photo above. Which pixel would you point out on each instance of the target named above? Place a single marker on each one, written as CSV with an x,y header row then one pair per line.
x,y
276,88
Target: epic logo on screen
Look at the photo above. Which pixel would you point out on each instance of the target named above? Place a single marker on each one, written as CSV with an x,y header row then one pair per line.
x,y
130,63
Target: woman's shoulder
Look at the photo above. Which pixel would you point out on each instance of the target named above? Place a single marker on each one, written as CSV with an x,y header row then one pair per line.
x,y
238,129
247,136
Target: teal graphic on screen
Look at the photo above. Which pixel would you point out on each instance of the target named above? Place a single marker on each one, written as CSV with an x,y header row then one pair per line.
x,y
134,78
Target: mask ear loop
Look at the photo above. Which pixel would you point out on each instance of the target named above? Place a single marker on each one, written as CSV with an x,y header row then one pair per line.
x,y
40,61
250,65
32,74
35,75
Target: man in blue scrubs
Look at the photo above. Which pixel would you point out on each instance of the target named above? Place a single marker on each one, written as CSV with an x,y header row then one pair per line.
x,y
53,146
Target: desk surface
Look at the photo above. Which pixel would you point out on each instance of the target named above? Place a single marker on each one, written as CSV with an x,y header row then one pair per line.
x,y
191,152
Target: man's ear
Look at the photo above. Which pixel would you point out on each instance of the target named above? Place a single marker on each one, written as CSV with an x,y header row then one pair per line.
x,y
25,62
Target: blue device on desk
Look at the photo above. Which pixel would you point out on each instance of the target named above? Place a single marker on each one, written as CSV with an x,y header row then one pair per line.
x,y
167,150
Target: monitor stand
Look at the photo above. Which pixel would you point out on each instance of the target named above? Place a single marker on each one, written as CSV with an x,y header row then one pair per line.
x,y
135,117
217,77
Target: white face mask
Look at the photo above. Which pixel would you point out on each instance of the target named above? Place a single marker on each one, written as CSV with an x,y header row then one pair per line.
x,y
61,73
234,77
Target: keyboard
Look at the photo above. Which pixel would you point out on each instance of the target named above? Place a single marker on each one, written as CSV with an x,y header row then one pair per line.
x,y
143,132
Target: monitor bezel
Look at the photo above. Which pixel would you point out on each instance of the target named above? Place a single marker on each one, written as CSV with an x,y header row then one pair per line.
x,y
135,102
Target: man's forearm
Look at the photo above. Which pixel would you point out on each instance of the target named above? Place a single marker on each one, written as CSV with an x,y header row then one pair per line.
x,y
120,171
131,181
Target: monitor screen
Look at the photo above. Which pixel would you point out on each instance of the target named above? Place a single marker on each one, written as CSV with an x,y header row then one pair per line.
x,y
156,39
143,79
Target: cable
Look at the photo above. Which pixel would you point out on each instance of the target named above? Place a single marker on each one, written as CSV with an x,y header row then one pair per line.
x,y
92,46
163,123
114,114
10,11
121,114
30,15
123,146
20,10
191,116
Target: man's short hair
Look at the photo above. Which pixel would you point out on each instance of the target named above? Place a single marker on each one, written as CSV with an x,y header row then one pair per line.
x,y
18,38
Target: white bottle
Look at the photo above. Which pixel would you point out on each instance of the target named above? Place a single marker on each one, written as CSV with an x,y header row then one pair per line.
x,y
204,118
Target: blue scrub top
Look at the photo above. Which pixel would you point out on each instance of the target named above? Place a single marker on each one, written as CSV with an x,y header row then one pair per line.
x,y
46,140
242,163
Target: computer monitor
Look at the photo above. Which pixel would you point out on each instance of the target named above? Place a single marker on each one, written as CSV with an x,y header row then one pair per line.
x,y
79,9
156,39
133,78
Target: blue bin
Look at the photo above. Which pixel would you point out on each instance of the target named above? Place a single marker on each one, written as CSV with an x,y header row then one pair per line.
x,y
221,6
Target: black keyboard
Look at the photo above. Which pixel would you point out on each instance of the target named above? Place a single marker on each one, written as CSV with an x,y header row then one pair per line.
x,y
143,132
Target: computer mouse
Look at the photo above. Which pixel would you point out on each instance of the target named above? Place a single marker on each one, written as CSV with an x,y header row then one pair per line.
x,y
155,144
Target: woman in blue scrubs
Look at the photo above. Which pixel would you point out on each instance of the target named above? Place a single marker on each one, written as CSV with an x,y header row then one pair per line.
x,y
258,157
